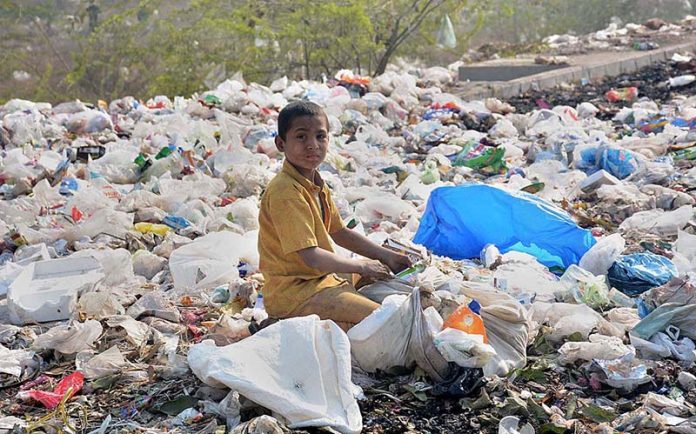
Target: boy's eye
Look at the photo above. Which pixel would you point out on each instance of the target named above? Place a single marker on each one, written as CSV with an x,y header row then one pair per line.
x,y
300,136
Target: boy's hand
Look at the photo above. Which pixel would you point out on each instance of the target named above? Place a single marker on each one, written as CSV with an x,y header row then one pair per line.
x,y
397,262
373,269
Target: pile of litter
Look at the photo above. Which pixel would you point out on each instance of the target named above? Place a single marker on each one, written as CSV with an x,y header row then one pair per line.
x,y
644,37
650,35
556,288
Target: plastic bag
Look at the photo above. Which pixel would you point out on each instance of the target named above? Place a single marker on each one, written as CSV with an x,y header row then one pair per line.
x,y
675,314
682,349
147,264
582,286
634,274
619,162
70,338
109,362
299,368
566,319
212,260
116,263
98,305
376,207
486,159
464,349
396,334
13,361
599,347
446,37
507,327
455,224
602,255
659,222
382,289
103,221
65,389
686,246
678,290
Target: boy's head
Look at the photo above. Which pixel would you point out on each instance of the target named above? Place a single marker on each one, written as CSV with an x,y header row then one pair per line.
x,y
303,135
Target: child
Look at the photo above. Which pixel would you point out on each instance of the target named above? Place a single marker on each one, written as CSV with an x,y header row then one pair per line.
x,y
298,219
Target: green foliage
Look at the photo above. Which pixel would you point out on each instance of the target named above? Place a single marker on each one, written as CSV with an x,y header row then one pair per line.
x,y
179,47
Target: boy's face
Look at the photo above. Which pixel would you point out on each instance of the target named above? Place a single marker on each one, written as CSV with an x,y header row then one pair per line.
x,y
305,144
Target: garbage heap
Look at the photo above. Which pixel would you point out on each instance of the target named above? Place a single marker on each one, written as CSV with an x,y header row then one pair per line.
x,y
554,287
617,36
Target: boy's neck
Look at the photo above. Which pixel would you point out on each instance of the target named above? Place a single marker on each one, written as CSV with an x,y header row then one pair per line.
x,y
311,176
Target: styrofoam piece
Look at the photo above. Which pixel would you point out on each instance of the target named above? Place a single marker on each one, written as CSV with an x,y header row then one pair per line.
x,y
597,180
48,290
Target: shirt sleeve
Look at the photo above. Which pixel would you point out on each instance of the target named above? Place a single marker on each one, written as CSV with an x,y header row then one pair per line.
x,y
336,221
292,219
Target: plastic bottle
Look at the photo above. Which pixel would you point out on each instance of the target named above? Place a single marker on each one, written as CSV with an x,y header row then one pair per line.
x,y
467,319
259,313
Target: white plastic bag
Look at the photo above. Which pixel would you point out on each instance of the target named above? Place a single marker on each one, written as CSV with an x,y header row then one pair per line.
x,y
659,222
116,264
599,347
397,334
109,362
12,361
212,260
147,264
566,319
464,349
69,338
445,34
299,368
104,221
602,255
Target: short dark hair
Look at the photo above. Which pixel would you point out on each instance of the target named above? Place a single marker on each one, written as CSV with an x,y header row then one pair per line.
x,y
295,110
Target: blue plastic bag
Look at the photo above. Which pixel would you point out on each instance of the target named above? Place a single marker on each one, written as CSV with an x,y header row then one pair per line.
x,y
619,162
459,221
634,274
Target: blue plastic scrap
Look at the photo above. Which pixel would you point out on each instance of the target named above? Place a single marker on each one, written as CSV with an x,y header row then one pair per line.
x,y
460,221
634,274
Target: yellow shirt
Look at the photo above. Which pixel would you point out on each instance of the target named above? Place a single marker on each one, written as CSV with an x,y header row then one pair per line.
x,y
291,219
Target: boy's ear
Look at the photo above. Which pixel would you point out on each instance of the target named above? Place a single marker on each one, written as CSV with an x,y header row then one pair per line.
x,y
280,144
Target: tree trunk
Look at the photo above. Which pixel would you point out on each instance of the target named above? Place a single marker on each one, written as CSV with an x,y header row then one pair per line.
x,y
384,60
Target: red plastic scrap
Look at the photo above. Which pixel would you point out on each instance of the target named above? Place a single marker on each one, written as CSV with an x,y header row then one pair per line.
x,y
66,388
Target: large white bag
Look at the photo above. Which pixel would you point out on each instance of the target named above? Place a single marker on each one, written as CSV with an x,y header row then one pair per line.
x,y
300,368
397,334
507,326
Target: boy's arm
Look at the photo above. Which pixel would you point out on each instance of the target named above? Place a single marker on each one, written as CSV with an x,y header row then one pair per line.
x,y
326,261
360,244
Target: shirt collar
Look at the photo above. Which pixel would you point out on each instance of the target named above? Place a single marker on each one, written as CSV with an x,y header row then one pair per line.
x,y
297,176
